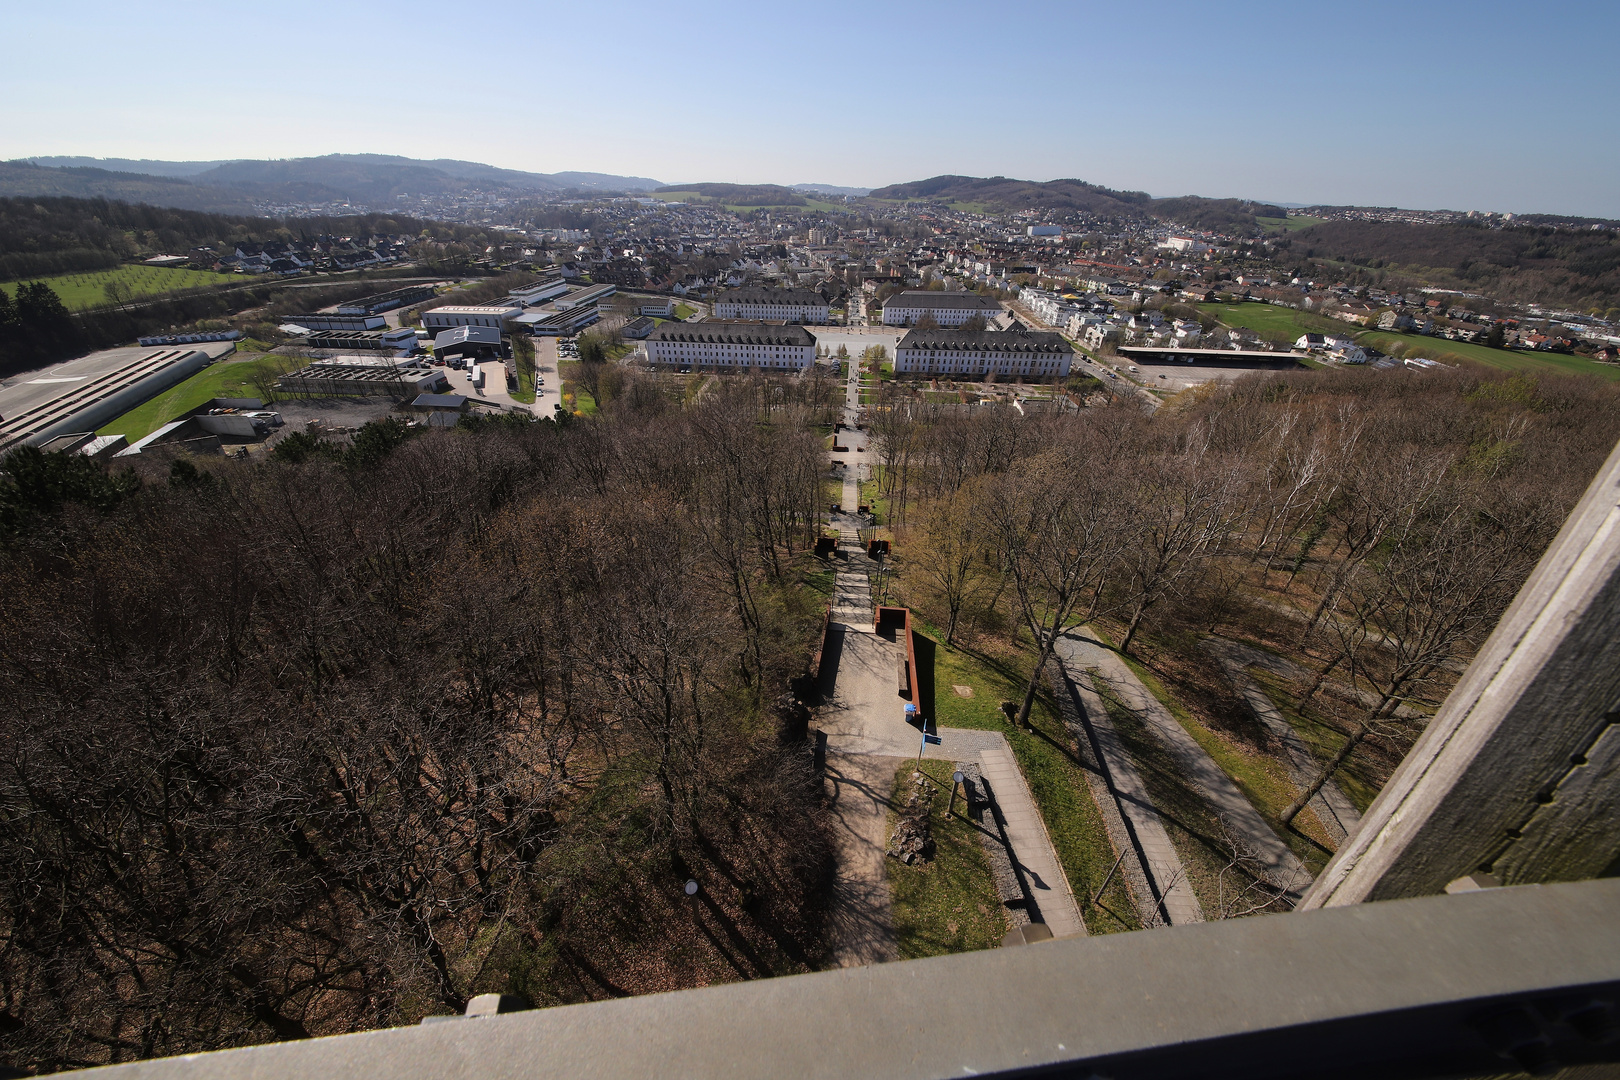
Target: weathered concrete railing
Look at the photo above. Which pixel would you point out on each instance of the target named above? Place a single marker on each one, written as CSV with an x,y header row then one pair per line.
x,y
1473,984
1518,775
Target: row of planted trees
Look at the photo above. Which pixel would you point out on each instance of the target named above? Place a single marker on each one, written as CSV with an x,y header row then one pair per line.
x,y
339,740
1388,519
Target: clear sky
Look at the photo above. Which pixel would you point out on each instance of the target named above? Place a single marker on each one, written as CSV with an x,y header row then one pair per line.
x,y
1464,105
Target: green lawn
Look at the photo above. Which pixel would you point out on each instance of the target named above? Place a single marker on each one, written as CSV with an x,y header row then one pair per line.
x,y
1273,322
227,378
1279,323
684,311
949,905
525,387
80,291
1501,359
1050,767
1291,223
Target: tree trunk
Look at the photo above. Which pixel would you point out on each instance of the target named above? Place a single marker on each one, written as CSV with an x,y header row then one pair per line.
x,y
1357,735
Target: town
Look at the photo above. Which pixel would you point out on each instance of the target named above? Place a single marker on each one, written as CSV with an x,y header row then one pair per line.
x,y
466,616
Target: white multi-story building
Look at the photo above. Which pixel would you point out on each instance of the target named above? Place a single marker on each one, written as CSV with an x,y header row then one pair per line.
x,y
948,309
787,305
1048,307
732,345
975,353
1098,333
1185,245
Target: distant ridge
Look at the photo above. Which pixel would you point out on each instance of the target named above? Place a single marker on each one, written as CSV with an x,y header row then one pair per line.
x,y
375,180
1002,194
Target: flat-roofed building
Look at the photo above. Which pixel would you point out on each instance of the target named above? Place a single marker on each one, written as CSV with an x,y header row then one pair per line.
x,y
496,315
592,294
346,376
557,323
663,309
540,291
787,305
399,341
1014,354
387,301
323,320
732,345
948,309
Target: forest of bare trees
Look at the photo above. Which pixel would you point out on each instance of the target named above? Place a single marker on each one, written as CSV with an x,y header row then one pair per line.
x,y
341,739
306,748
1375,525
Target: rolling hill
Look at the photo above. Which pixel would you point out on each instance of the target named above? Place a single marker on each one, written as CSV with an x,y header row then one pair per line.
x,y
1002,194
233,186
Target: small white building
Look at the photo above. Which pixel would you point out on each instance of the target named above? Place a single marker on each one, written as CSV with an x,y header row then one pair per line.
x,y
732,345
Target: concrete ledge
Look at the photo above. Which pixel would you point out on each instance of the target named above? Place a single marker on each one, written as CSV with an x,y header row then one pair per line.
x,y
1478,983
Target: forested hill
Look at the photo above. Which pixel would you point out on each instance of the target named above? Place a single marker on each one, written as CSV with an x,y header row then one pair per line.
x,y
26,180
232,186
1529,264
998,193
40,237
1001,193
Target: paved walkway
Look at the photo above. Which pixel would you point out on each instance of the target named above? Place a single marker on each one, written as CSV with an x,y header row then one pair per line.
x,y
1033,855
864,722
1332,808
1280,866
1172,900
859,786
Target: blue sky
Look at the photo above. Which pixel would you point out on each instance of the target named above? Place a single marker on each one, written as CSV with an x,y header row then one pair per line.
x,y
1489,106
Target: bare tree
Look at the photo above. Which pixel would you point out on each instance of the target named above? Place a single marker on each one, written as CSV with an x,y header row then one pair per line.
x,y
1404,616
949,552
1057,526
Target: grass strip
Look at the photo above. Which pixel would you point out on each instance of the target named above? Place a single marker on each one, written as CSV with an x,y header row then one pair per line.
x,y
950,904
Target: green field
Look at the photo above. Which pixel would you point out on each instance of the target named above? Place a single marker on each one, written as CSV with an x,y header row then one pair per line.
x,y
1502,359
1291,223
1278,323
948,905
1274,323
80,291
227,378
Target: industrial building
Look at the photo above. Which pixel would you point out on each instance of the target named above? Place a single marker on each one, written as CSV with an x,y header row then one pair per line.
x,y
787,305
84,394
947,309
388,301
735,345
396,341
477,341
322,320
594,294
497,314
349,376
637,328
558,323
539,292
975,353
